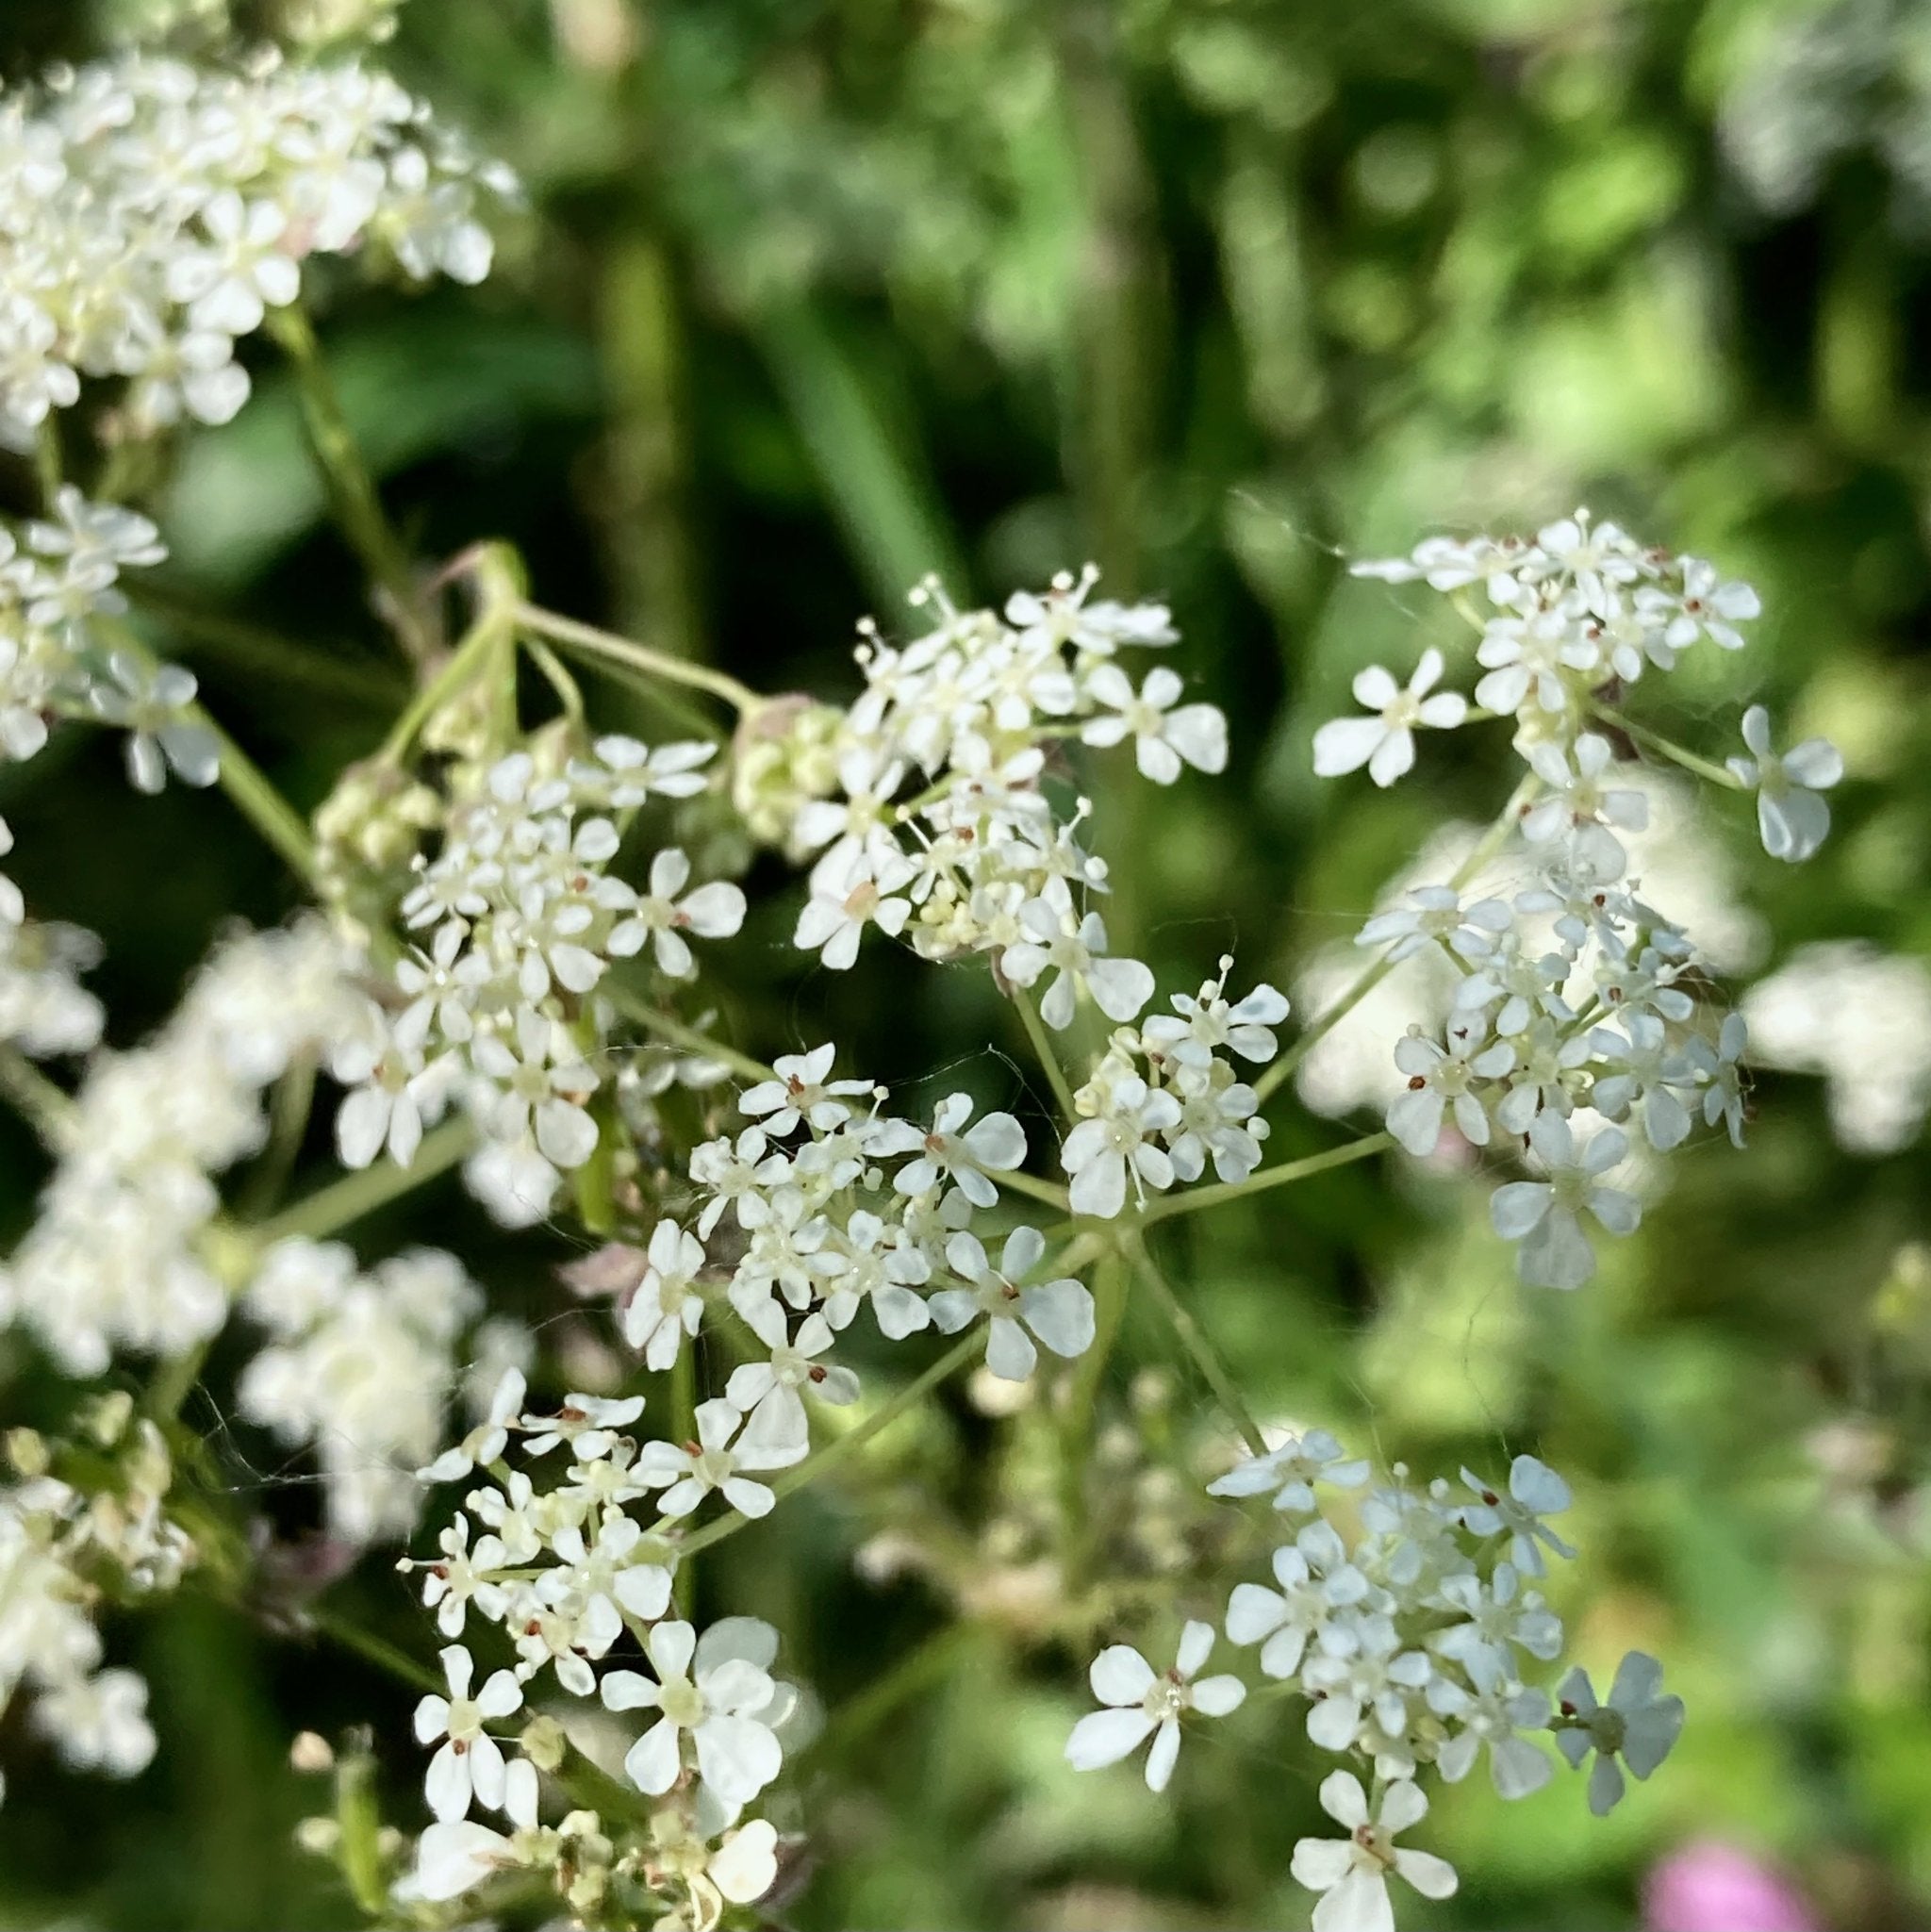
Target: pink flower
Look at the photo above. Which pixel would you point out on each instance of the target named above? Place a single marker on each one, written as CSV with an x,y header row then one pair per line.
x,y
1710,1887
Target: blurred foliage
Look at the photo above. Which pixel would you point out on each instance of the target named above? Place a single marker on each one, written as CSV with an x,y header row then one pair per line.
x,y
814,296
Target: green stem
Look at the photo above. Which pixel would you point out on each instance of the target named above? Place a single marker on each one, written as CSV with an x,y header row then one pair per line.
x,y
347,1201
493,569
972,1343
1289,1171
1667,748
1043,1051
257,800
357,502
634,1005
1110,1285
1194,1341
1033,1188
656,664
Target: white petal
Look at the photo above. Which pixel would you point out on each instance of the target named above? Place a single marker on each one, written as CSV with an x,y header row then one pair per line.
x,y
1105,1737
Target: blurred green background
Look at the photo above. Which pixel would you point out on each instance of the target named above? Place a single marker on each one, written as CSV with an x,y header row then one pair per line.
x,y
813,298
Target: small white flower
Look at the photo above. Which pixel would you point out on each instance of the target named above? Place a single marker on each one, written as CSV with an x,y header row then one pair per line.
x,y
1142,1705
1443,1080
689,1473
1545,1215
1535,1490
712,912
667,1305
1351,1874
1316,1579
1791,816
769,1392
705,1690
1163,737
834,921
153,705
1100,1152
1436,915
470,1762
1075,951
993,1144
799,1092
1059,1312
1385,743
1638,1724
1292,1471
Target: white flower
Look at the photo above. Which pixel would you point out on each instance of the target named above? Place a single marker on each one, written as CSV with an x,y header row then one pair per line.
x,y
1209,1021
1791,817
667,1305
470,1762
1059,1312
1351,1874
1385,743
996,1142
153,705
799,1092
487,1441
687,1475
767,1392
1292,1470
1444,1079
834,921
1316,1579
1578,809
1163,737
1535,1490
1638,1724
1545,1215
539,1089
1075,951
712,912
707,1692
1142,1705
1435,912
1099,1151
453,1859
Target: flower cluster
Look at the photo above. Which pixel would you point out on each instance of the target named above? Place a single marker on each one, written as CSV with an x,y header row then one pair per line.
x,y
44,1008
120,1255
61,1549
154,213
1165,1101
977,860
1580,1011
521,919
359,1370
570,1574
62,653
819,1230
1408,1642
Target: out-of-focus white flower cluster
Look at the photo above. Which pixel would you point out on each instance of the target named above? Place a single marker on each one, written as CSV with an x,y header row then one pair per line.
x,y
1408,1644
117,1258
152,213
44,1008
1571,995
1861,1018
360,1370
59,1546
924,802
522,919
